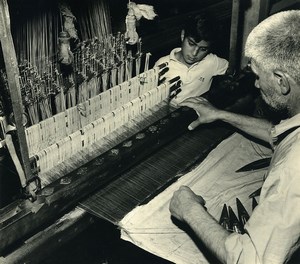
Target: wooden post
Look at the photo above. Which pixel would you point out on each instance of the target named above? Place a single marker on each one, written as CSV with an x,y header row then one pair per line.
x,y
233,51
282,5
12,71
257,11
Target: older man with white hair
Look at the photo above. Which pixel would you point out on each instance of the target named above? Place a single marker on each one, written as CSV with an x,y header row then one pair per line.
x,y
272,232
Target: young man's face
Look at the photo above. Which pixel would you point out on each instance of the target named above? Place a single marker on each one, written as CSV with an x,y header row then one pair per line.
x,y
193,51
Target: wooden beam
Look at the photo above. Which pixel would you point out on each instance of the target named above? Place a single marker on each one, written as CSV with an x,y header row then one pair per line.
x,y
233,54
283,4
51,238
257,11
12,70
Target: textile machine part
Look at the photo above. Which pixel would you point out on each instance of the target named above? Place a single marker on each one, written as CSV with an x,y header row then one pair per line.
x,y
135,13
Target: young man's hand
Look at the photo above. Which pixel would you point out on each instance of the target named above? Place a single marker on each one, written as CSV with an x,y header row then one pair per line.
x,y
163,68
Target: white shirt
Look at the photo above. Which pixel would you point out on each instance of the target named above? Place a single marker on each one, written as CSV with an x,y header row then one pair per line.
x,y
197,78
273,230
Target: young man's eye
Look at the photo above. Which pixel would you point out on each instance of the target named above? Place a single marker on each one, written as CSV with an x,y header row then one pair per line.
x,y
203,49
192,43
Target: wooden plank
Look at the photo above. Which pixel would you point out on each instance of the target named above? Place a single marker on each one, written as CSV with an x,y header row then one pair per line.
x,y
233,52
256,11
50,239
12,71
283,4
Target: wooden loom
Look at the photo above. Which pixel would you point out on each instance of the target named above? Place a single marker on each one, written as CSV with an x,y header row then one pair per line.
x,y
75,153
126,141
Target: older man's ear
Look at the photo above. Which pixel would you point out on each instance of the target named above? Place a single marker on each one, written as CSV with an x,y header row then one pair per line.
x,y
283,81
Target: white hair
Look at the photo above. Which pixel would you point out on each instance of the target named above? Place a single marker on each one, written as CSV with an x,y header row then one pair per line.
x,y
275,43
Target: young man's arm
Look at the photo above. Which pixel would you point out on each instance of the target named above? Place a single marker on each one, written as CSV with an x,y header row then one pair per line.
x,y
207,113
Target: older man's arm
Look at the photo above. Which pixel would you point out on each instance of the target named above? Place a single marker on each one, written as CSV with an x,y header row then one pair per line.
x,y
207,113
186,206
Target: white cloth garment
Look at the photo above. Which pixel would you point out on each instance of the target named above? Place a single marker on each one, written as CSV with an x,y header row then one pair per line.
x,y
150,226
196,79
273,230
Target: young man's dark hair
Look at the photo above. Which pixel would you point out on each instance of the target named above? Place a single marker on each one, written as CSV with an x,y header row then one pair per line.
x,y
194,62
200,27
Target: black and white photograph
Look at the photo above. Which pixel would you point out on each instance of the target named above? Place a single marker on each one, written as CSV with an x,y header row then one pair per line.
x,y
149,132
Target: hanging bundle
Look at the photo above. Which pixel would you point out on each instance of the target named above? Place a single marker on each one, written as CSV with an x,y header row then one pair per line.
x,y
68,20
135,13
65,56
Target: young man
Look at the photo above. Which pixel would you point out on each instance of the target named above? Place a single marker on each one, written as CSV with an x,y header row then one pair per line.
x,y
194,62
273,230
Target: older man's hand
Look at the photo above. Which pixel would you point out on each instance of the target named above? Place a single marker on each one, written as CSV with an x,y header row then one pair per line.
x,y
206,112
183,201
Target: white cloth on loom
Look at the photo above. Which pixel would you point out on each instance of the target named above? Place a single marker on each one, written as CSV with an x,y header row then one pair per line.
x,y
150,226
196,79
